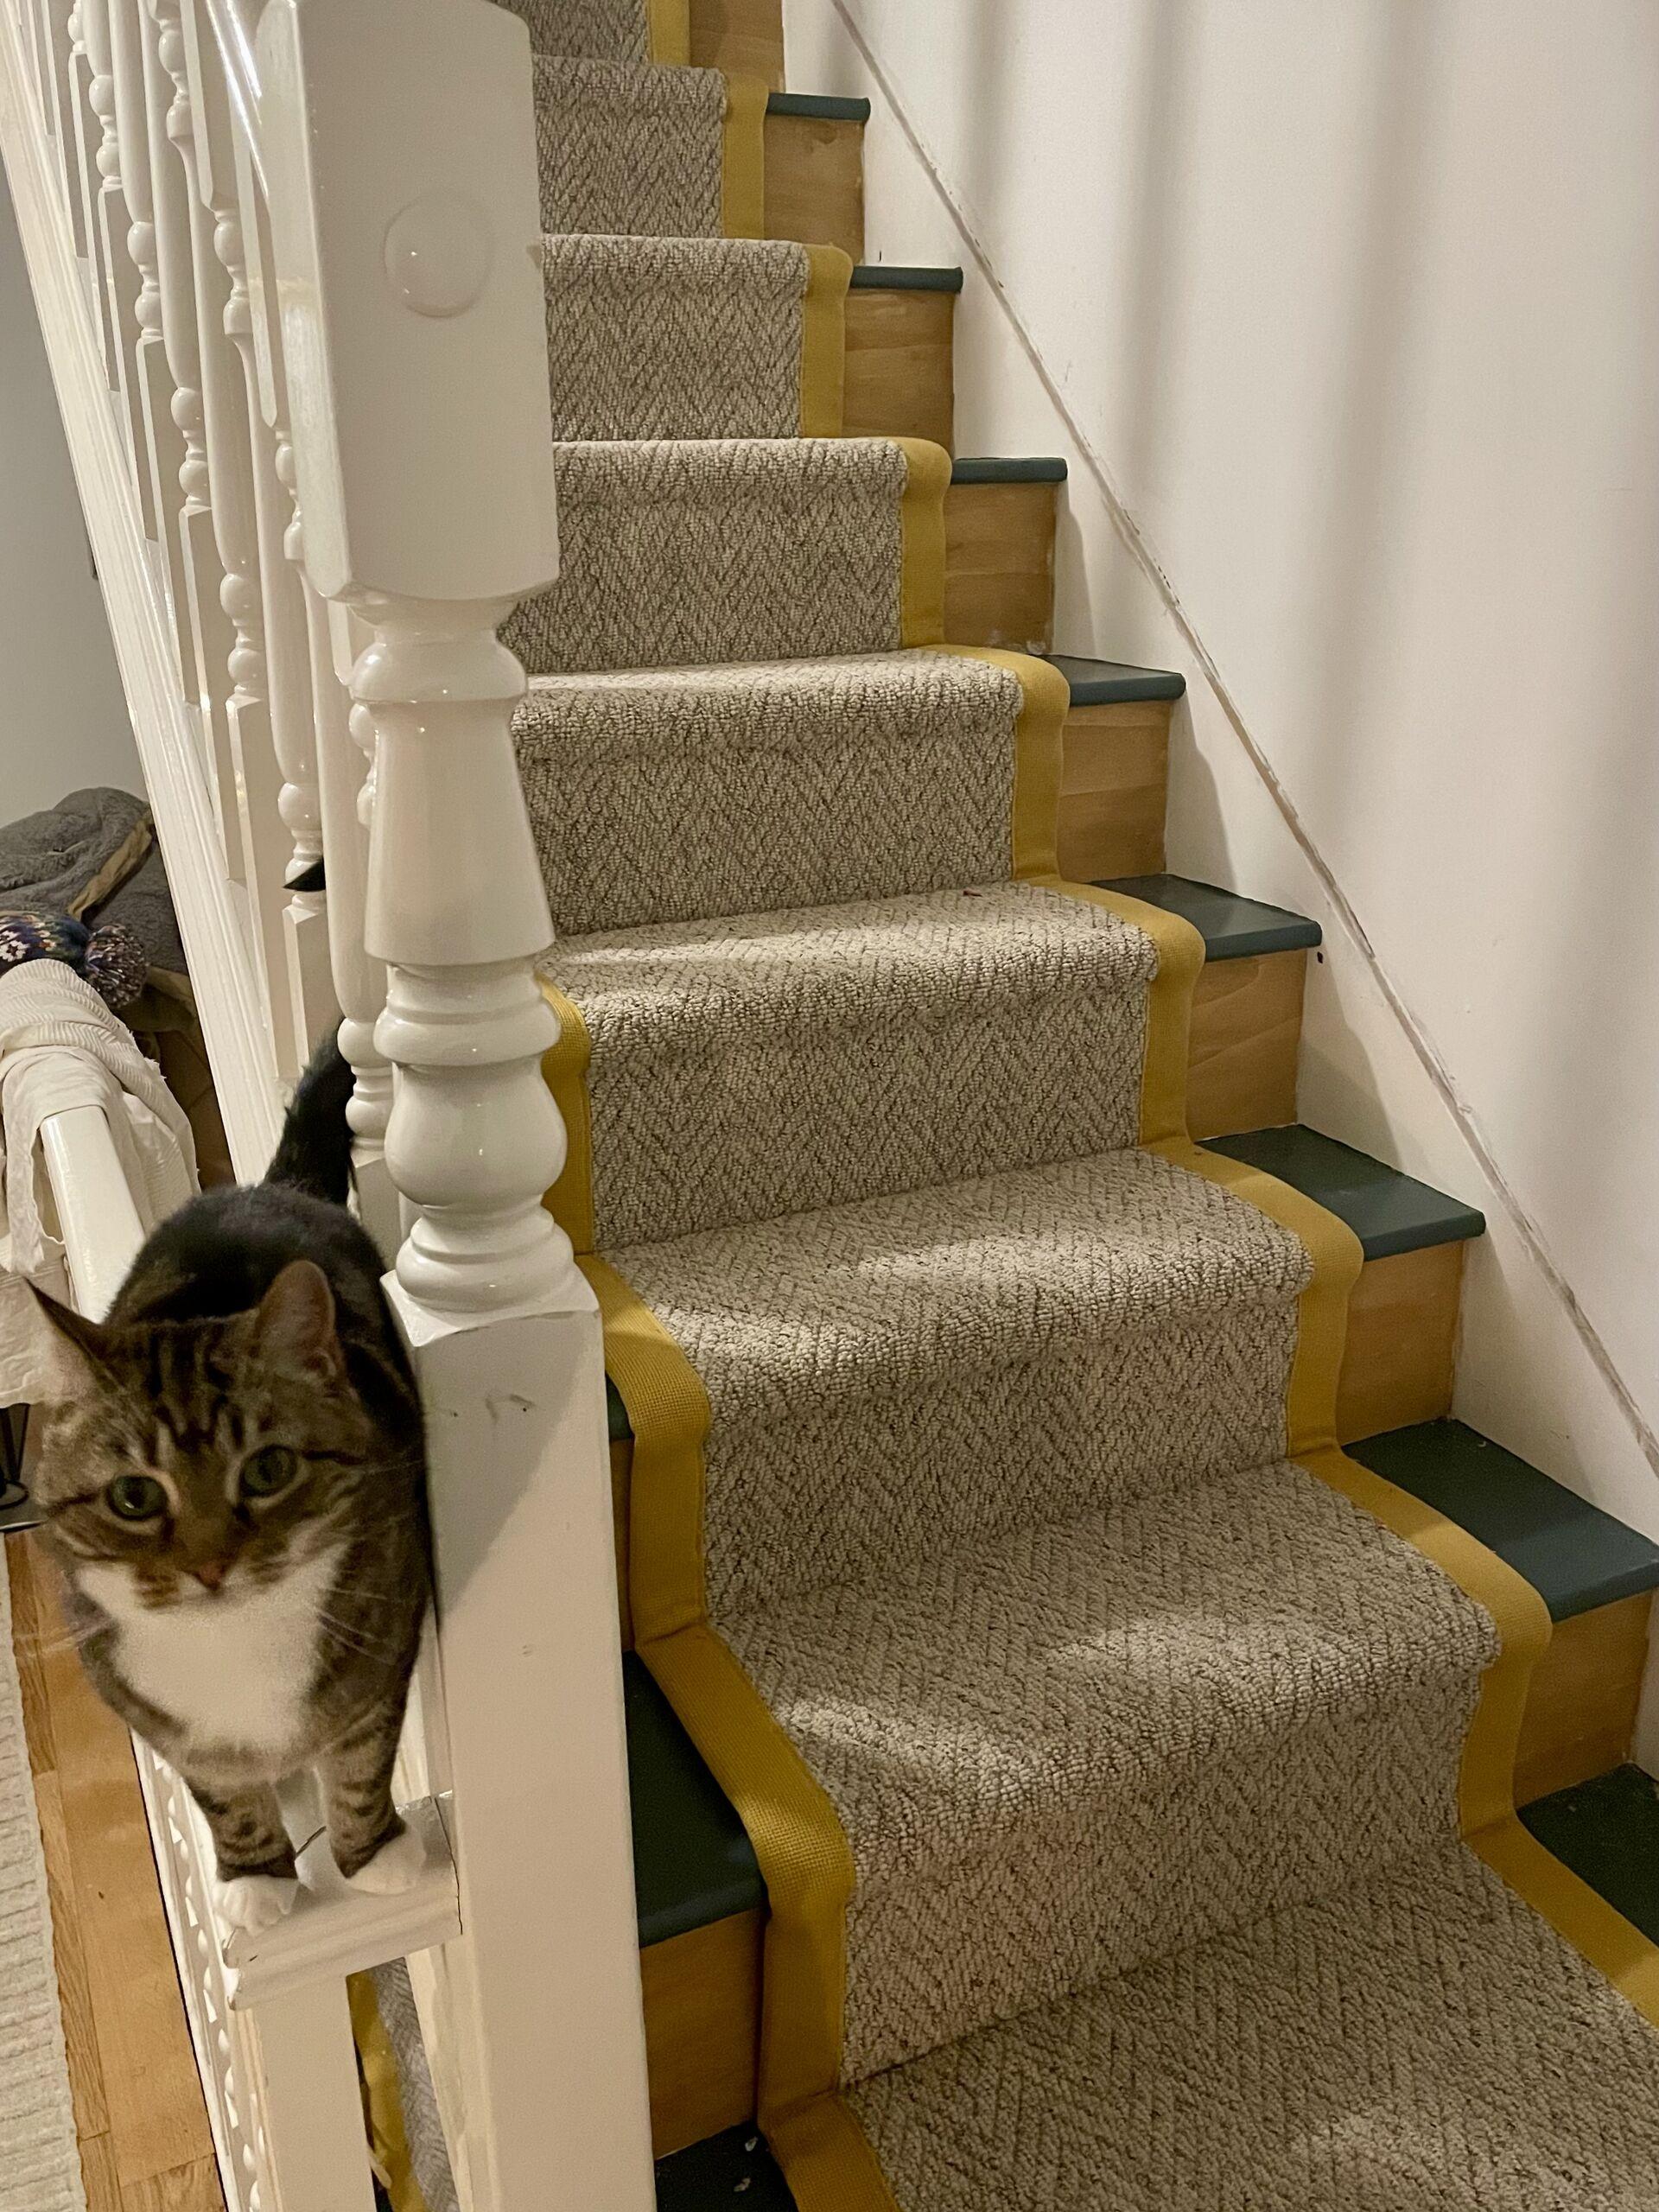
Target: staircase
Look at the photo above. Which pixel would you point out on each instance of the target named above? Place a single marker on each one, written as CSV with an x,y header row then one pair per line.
x,y
863,1208
1078,1678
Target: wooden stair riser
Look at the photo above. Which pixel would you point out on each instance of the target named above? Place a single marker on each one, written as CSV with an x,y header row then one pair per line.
x,y
1245,1040
743,37
899,377
814,181
702,1989
999,565
1114,787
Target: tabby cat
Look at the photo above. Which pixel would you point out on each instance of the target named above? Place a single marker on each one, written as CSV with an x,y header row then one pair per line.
x,y
233,1478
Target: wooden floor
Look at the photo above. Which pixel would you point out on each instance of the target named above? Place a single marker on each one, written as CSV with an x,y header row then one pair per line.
x,y
144,2142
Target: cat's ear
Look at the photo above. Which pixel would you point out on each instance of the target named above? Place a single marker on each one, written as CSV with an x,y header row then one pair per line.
x,y
294,1326
72,1350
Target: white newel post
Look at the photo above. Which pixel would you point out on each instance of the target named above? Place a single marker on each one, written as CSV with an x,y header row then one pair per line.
x,y
400,149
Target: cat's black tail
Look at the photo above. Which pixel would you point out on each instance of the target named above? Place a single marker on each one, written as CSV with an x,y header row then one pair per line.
x,y
314,1153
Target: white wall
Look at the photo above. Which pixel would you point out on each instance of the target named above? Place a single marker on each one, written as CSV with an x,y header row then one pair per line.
x,y
63,719
1347,319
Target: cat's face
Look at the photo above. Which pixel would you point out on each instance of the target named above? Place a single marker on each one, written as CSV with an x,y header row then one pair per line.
x,y
195,1463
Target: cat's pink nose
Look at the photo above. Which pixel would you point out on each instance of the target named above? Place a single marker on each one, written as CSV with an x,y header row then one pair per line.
x,y
210,1572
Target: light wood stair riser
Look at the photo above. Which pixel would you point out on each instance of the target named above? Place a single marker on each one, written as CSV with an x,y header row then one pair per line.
x,y
1114,785
899,367
702,1989
999,565
743,37
814,181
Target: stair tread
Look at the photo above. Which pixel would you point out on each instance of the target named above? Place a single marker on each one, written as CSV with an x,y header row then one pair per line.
x,y
895,276
1232,927
829,107
1606,1830
1157,1679
695,1864
745,1068
1110,682
1574,1555
1007,468
1388,1211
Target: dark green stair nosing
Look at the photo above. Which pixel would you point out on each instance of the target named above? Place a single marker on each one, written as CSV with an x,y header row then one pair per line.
x,y
1574,1555
1607,1831
1233,928
881,276
992,468
829,107
731,2169
693,1863
1387,1211
1113,682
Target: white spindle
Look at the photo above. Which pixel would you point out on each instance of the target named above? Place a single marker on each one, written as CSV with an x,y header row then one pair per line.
x,y
161,443
186,292
118,289
410,123
56,41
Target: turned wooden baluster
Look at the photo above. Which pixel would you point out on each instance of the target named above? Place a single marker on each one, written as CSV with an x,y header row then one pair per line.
x,y
160,442
82,159
187,292
400,143
57,41
117,288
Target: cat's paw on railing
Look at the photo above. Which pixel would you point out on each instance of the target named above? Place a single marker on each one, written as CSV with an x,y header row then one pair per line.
x,y
396,1867
256,1901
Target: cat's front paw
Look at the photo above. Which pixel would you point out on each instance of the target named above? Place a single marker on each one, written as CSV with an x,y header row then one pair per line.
x,y
396,1867
256,1901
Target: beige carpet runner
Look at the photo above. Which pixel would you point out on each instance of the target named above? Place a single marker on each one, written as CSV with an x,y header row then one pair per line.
x,y
1130,1771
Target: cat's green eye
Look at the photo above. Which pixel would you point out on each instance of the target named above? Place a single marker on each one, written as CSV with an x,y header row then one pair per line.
x,y
266,1475
135,1498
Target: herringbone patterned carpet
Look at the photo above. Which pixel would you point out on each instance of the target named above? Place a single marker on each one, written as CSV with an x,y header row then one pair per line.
x,y
1103,1762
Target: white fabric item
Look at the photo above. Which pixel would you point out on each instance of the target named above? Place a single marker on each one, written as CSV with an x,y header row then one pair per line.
x,y
61,1047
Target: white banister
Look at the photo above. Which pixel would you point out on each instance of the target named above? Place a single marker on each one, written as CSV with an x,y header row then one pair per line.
x,y
116,272
410,123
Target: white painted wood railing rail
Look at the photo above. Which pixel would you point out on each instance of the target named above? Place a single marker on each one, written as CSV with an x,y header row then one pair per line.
x,y
284,255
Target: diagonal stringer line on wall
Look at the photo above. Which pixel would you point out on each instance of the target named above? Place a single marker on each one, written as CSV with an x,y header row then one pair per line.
x,y
1140,551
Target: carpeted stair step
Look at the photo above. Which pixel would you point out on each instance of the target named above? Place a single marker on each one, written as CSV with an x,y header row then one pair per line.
x,y
772,1064
724,338
1075,1739
660,796
1420,2039
694,338
702,1898
628,149
678,553
1398,1355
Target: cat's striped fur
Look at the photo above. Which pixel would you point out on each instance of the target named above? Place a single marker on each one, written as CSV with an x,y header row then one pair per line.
x,y
262,1616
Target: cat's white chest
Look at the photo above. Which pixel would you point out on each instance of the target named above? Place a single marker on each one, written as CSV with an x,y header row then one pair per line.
x,y
229,1672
